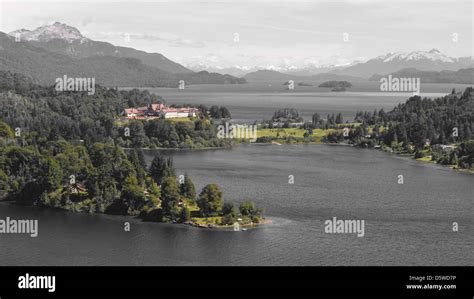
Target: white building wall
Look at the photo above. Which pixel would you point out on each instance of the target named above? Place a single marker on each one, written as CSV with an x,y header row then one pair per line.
x,y
177,114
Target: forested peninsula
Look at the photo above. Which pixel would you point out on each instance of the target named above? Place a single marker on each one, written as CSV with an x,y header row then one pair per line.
x,y
432,130
64,150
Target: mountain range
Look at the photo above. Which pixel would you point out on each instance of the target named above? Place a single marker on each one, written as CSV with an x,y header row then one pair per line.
x,y
432,60
51,51
274,76
239,71
430,67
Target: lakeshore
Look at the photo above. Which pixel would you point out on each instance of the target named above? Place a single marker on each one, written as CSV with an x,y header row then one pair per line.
x,y
330,181
229,227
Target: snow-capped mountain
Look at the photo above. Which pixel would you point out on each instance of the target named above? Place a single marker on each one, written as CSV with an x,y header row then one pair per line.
x,y
301,67
433,55
51,51
64,39
236,70
67,40
44,66
432,60
315,69
49,32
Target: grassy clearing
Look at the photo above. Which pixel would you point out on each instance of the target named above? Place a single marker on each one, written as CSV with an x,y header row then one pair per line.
x,y
192,206
207,220
281,134
426,159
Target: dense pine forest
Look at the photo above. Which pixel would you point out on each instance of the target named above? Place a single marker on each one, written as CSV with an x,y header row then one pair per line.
x,y
43,113
440,129
437,130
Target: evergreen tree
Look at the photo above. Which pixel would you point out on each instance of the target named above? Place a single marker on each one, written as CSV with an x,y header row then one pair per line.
x,y
187,188
134,158
339,118
170,199
161,168
210,200
185,215
133,195
229,213
248,209
52,174
316,119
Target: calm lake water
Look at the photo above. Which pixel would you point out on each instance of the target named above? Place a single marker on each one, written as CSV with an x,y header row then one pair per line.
x,y
409,224
257,101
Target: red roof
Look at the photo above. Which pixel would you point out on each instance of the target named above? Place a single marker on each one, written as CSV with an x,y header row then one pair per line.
x,y
131,110
159,108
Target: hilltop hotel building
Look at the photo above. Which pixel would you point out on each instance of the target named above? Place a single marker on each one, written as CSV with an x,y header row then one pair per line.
x,y
159,110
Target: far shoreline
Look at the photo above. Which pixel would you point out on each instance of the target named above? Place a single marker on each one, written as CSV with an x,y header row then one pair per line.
x,y
459,170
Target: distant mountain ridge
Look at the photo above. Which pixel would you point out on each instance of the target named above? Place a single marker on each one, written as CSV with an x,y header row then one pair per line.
x,y
432,60
239,71
154,68
51,51
269,75
49,32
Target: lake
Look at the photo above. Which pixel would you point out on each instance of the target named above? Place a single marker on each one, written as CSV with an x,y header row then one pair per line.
x,y
405,224
257,101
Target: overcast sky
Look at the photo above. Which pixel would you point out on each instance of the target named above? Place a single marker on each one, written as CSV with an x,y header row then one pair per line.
x,y
259,33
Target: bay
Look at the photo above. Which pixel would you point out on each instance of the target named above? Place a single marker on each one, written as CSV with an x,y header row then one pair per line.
x,y
409,224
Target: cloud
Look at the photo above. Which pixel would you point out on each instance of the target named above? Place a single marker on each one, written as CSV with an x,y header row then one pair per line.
x,y
281,33
179,42
171,39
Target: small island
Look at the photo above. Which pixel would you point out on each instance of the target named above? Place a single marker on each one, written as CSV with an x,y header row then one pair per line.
x,y
336,85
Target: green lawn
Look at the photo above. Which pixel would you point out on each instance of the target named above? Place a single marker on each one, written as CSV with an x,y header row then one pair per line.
x,y
425,159
207,220
294,132
192,206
